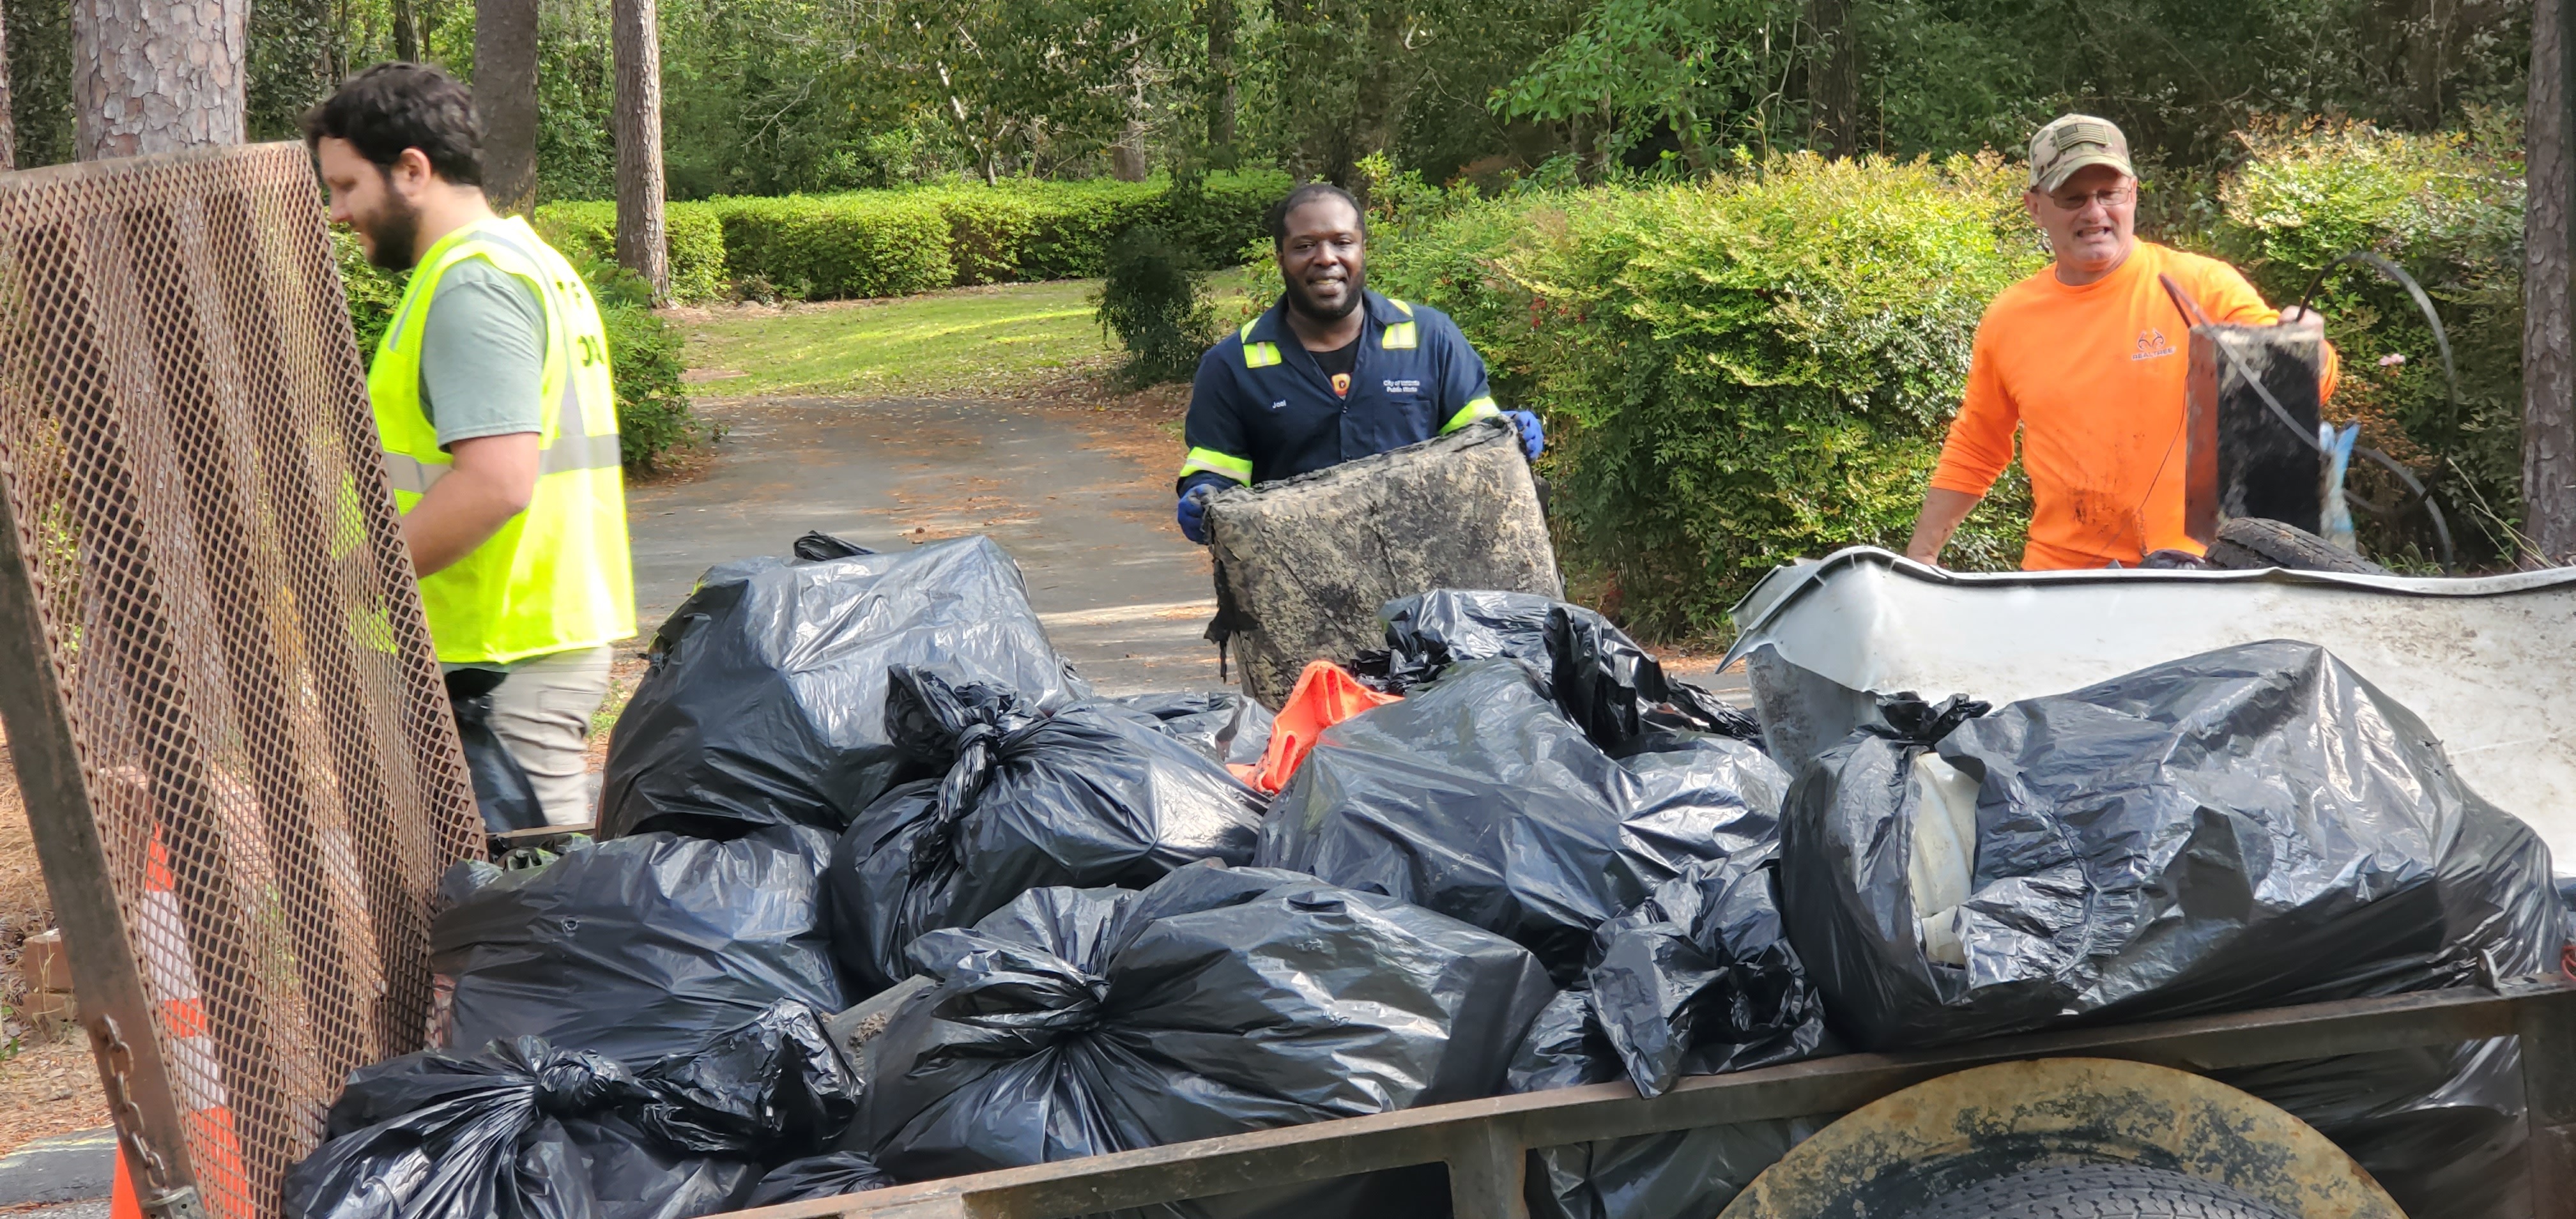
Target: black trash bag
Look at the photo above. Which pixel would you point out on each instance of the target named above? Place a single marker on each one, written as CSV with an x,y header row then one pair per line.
x,y
1699,979
526,1131
820,547
765,702
502,792
1226,725
640,947
1078,1022
1615,689
1478,798
1679,1174
829,1175
2439,1127
2250,827
1096,794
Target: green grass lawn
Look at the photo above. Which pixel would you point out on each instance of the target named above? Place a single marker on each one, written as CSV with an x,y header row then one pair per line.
x,y
964,340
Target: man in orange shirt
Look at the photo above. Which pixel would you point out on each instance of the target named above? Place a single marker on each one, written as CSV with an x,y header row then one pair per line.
x,y
2087,359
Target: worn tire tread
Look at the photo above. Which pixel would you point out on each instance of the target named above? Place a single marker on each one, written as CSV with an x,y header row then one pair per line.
x,y
2099,1191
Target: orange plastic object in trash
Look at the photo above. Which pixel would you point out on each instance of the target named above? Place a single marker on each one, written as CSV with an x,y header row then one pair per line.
x,y
1325,695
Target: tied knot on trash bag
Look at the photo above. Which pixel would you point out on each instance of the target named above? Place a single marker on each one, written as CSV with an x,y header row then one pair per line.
x,y
1027,998
568,1083
1908,719
528,1131
960,731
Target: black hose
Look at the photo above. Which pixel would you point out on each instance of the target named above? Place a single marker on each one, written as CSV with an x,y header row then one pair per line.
x,y
2424,302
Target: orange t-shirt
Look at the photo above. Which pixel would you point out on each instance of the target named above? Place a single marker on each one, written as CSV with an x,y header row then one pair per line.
x,y
2093,377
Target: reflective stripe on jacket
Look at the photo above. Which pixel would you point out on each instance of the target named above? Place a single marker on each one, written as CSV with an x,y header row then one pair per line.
x,y
1262,408
557,576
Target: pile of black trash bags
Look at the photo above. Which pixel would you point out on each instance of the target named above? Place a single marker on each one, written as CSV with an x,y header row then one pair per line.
x,y
868,779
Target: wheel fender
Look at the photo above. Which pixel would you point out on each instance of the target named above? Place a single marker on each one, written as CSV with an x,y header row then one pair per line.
x,y
1898,1152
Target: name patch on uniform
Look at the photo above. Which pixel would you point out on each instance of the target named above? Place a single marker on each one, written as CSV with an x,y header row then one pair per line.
x,y
1279,405
1405,386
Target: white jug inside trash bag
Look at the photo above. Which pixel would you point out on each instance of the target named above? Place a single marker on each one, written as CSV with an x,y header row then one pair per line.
x,y
1940,866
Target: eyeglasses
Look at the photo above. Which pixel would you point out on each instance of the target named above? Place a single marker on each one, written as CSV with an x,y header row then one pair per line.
x,y
2117,196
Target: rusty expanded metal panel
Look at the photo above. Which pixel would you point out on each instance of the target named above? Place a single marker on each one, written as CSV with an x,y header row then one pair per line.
x,y
219,577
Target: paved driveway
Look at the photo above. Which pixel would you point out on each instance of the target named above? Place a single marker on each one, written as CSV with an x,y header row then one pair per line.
x,y
1078,499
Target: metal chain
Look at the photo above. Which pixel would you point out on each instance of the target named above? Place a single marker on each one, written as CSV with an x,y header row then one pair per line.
x,y
163,1200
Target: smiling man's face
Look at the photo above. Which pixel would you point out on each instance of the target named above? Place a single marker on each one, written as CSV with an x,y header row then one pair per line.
x,y
2095,234
1323,259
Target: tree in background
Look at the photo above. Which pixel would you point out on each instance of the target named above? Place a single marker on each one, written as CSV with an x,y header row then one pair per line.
x,y
2548,356
8,132
640,235
134,98
505,91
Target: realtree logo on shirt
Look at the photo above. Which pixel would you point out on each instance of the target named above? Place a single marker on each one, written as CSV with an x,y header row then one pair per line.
x,y
2152,345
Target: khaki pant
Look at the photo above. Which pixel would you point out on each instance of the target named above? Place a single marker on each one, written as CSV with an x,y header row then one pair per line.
x,y
542,714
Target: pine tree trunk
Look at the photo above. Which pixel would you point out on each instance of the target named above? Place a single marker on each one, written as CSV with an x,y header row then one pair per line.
x,y
2548,364
505,90
406,31
642,243
1221,89
1386,77
1834,79
8,126
157,75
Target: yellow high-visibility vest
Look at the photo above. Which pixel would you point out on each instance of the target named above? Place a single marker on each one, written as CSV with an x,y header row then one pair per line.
x,y
557,576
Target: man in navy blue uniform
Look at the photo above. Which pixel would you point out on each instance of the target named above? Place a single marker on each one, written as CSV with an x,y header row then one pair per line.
x,y
1332,372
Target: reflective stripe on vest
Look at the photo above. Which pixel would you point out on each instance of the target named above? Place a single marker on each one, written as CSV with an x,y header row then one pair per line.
x,y
557,576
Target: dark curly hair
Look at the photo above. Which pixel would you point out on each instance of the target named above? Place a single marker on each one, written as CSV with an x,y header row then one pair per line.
x,y
394,106
1304,195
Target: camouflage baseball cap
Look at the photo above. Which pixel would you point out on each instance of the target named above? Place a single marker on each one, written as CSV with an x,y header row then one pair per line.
x,y
2070,144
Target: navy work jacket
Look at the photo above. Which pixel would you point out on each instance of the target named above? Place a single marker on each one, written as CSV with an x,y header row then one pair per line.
x,y
1262,408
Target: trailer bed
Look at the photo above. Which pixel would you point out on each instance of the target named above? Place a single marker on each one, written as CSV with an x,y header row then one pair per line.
x,y
1485,1143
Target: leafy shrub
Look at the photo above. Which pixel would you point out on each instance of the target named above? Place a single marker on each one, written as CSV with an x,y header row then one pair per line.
x,y
1154,297
372,293
654,417
692,235
1739,372
2448,208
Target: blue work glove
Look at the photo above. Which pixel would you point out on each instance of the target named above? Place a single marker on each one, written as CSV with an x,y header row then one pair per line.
x,y
1533,437
1193,512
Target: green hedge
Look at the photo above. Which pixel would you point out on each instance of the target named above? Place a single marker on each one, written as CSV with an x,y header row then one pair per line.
x,y
836,246
2448,208
1737,373
692,235
895,242
887,243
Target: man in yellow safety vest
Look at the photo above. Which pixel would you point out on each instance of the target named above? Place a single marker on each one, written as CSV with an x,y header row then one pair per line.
x,y
491,391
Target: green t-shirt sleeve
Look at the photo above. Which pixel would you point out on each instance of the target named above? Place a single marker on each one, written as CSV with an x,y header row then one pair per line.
x,y
483,355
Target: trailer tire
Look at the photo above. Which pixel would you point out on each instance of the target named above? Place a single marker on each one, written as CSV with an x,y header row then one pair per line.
x,y
2249,543
2099,1191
